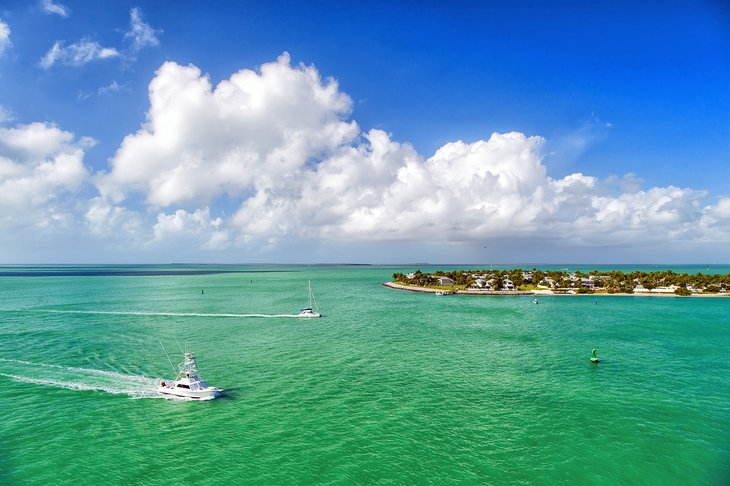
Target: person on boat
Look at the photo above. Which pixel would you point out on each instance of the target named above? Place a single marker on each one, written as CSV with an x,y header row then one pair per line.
x,y
594,356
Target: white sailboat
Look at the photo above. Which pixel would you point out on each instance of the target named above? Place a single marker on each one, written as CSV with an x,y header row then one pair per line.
x,y
308,311
188,383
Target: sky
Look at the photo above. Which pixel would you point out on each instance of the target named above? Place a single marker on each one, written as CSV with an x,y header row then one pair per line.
x,y
377,132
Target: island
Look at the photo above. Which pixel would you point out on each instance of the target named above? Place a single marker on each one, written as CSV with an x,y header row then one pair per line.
x,y
549,282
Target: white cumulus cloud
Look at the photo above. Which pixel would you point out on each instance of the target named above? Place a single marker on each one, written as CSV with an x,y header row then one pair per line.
x,y
104,219
78,54
255,129
196,226
278,144
40,164
269,158
716,220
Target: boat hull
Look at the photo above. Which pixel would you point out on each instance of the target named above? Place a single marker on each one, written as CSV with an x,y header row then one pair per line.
x,y
205,394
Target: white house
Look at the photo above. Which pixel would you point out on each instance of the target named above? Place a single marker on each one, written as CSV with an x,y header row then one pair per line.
x,y
549,281
444,281
660,290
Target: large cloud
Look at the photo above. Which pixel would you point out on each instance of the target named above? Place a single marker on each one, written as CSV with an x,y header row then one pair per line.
x,y
40,165
382,190
278,143
252,130
465,192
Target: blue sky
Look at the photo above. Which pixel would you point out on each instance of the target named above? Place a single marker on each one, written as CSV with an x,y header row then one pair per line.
x,y
387,132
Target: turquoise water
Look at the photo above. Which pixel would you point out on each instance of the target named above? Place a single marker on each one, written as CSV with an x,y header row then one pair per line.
x,y
389,387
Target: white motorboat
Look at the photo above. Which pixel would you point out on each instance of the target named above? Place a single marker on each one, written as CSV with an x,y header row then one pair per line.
x,y
188,383
308,311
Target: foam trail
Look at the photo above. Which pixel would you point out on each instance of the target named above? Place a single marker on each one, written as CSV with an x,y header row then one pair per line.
x,y
135,313
110,374
74,378
149,392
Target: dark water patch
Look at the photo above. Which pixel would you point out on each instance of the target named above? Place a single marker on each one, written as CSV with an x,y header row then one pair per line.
x,y
126,273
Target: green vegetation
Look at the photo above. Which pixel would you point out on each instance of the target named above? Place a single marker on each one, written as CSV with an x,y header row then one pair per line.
x,y
579,282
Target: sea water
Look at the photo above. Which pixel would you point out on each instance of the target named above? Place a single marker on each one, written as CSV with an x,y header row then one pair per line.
x,y
388,387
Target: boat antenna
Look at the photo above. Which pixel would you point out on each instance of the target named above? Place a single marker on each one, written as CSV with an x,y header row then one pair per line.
x,y
168,356
178,345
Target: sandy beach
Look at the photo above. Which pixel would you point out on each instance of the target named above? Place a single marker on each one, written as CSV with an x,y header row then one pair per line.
x,y
544,292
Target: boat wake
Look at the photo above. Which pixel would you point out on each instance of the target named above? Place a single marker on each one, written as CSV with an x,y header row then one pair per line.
x,y
72,378
141,313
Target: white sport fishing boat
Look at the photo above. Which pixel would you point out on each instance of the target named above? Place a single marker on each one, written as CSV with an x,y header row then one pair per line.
x,y
308,312
188,383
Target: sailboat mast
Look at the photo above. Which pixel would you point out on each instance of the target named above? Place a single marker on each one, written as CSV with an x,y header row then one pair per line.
x,y
312,299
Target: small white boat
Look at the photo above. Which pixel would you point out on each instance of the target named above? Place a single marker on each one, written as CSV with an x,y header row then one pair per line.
x,y
308,312
535,301
439,292
188,383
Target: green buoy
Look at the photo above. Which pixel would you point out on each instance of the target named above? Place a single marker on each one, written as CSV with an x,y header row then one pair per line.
x,y
594,356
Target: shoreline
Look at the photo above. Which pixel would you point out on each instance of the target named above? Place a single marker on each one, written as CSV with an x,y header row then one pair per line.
x,y
522,293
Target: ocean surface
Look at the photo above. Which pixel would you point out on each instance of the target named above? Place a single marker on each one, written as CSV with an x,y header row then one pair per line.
x,y
389,387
